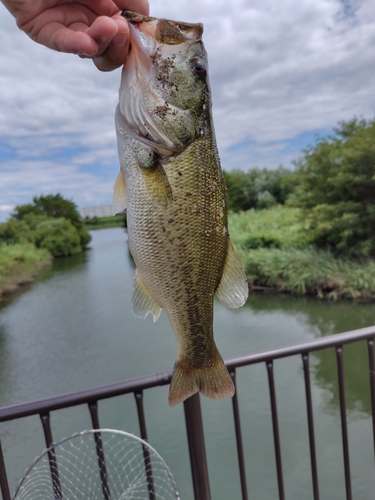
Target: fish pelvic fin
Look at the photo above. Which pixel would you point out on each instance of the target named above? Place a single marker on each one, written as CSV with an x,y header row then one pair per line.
x,y
142,302
233,288
212,380
119,194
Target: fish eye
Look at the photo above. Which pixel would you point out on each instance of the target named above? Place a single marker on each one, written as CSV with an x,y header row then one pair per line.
x,y
199,68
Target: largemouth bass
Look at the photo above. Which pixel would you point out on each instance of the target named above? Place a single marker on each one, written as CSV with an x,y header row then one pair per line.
x,y
173,188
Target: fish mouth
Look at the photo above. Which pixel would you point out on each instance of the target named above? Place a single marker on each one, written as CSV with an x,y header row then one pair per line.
x,y
164,31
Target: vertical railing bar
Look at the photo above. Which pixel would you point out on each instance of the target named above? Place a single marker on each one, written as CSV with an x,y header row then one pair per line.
x,y
276,434
240,451
370,345
3,477
93,408
344,426
146,454
197,450
46,422
310,423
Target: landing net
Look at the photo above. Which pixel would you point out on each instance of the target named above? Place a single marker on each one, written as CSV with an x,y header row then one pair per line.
x,y
100,464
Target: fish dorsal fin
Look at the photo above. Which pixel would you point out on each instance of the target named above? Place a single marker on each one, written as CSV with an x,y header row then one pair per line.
x,y
142,302
119,194
233,288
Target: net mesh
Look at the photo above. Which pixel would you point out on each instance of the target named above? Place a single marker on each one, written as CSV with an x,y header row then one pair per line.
x,y
96,465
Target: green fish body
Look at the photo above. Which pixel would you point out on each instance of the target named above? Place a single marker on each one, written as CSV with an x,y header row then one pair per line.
x,y
173,188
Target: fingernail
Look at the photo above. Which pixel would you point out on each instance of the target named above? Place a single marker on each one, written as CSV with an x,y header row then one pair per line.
x,y
82,54
104,39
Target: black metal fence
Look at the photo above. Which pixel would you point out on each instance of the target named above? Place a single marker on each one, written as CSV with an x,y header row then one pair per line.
x,y
193,416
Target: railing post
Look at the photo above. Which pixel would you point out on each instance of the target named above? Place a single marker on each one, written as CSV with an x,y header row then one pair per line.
x,y
276,434
93,408
310,424
3,477
240,451
344,425
51,456
197,450
146,454
370,346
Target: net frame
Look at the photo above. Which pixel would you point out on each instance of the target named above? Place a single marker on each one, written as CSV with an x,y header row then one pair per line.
x,y
150,459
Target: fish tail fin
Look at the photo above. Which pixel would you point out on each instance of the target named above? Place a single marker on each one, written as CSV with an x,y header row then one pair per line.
x,y
212,380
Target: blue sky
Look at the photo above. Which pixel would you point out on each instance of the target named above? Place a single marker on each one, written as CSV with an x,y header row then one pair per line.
x,y
282,72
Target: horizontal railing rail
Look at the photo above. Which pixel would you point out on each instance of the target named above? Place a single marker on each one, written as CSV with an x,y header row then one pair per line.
x,y
193,416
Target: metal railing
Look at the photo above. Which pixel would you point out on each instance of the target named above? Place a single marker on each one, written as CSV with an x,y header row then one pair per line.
x,y
193,416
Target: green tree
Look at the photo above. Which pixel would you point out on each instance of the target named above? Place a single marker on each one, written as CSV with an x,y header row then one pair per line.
x,y
257,188
235,191
54,206
335,186
12,232
58,236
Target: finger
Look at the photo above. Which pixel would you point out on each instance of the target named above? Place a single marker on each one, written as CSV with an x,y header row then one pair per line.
x,y
103,30
63,39
140,6
118,50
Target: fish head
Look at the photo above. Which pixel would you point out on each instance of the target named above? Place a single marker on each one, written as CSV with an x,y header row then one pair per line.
x,y
164,92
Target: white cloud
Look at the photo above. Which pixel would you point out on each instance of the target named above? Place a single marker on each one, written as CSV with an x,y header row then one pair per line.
x,y
278,70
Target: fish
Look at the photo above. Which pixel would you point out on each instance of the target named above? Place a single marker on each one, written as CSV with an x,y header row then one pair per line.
x,y
173,189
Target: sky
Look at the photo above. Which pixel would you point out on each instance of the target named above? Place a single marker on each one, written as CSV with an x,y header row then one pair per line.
x,y
282,73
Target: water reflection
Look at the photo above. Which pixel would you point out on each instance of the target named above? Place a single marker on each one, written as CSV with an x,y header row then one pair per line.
x,y
323,318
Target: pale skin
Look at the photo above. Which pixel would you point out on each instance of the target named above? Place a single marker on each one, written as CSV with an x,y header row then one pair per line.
x,y
89,28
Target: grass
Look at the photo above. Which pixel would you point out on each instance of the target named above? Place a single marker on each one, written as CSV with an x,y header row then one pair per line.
x,y
276,254
19,264
105,222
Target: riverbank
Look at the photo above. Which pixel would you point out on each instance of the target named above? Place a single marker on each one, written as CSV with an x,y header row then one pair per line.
x,y
19,265
106,222
278,257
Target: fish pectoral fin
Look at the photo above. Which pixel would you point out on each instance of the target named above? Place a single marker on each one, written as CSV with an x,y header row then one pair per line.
x,y
119,194
233,288
157,182
142,302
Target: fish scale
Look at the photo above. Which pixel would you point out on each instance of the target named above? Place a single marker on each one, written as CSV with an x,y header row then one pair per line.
x,y
173,187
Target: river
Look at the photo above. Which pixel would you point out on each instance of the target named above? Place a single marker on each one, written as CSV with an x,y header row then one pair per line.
x,y
73,329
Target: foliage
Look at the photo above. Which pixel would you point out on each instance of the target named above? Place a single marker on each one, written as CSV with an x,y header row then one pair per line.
x,y
19,263
12,232
257,188
58,236
54,206
335,187
311,271
273,228
277,252
106,222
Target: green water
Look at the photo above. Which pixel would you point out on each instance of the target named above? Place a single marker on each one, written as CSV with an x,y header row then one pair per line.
x,y
73,329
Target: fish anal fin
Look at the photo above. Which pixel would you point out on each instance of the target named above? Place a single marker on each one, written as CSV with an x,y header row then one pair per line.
x,y
142,302
119,194
156,181
212,380
233,288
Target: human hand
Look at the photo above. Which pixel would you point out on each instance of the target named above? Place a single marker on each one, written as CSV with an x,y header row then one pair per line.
x,y
89,28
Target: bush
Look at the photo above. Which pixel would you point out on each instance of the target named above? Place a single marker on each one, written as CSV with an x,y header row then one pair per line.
x,y
58,236
335,186
12,232
54,206
272,228
262,241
